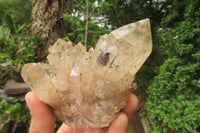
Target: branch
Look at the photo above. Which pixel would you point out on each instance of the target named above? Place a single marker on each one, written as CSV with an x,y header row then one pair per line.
x,y
86,26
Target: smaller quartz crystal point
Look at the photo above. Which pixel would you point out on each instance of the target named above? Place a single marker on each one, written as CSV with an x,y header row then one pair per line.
x,y
88,89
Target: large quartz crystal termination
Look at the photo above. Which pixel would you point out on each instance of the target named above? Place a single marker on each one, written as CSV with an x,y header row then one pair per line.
x,y
88,89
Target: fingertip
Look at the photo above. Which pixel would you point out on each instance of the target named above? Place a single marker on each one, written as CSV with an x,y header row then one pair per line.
x,y
64,128
34,103
42,117
131,106
29,98
123,118
28,94
133,99
120,124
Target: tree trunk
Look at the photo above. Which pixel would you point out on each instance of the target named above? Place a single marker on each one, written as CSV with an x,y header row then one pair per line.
x,y
47,24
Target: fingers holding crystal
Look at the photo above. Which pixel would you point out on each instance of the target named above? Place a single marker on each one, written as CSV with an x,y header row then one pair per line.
x,y
131,106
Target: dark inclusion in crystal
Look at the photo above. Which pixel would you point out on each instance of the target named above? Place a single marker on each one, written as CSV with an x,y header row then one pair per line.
x,y
103,58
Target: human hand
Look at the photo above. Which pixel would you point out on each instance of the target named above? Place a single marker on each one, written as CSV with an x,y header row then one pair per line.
x,y
43,119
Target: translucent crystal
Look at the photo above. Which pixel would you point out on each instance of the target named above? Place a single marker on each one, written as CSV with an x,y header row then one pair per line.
x,y
88,89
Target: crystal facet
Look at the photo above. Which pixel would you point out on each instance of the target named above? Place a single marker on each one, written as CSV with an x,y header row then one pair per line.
x,y
88,89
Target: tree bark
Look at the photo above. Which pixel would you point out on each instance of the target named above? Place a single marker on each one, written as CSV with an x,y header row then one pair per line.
x,y
46,22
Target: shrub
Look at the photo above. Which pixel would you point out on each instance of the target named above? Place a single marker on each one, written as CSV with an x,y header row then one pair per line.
x,y
16,49
20,117
174,95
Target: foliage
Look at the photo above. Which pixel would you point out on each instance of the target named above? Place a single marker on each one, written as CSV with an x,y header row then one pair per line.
x,y
16,49
16,44
20,117
14,12
77,23
121,12
174,96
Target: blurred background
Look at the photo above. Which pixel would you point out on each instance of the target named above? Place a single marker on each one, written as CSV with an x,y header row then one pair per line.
x,y
168,83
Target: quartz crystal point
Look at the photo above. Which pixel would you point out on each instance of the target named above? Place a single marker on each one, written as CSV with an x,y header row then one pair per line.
x,y
88,89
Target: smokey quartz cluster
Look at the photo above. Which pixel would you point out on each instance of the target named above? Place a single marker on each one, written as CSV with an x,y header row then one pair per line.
x,y
89,88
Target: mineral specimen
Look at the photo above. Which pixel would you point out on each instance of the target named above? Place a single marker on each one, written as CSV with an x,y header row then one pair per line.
x,y
88,89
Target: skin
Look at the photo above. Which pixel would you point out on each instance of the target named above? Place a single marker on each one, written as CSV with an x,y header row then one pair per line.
x,y
43,119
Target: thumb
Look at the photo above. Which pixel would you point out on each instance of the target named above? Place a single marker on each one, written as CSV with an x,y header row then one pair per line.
x,y
42,117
